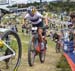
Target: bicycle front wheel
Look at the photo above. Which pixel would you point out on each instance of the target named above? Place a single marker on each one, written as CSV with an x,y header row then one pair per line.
x,y
12,45
42,55
31,54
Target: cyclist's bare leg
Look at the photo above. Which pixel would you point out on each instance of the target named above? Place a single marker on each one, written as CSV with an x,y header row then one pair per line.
x,y
45,41
40,34
40,31
33,41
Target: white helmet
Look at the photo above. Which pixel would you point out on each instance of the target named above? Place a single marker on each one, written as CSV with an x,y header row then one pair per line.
x,y
31,10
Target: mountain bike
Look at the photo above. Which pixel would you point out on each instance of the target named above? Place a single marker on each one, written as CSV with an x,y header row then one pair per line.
x,y
35,48
58,46
10,50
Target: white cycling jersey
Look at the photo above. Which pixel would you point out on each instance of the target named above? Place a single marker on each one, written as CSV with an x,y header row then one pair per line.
x,y
36,19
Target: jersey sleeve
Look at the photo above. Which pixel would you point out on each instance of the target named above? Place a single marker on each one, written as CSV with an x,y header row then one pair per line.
x,y
39,15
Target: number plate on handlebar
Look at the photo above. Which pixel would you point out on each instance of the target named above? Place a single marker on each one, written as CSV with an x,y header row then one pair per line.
x,y
34,28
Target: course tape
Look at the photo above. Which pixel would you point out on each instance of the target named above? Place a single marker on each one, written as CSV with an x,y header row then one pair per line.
x,y
71,60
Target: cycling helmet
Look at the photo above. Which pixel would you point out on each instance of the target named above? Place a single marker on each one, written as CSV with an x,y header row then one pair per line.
x,y
31,10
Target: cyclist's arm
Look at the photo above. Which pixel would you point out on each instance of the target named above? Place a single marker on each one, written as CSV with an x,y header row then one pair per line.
x,y
26,17
45,19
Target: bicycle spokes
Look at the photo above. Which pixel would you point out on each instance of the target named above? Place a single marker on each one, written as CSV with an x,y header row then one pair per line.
x,y
10,52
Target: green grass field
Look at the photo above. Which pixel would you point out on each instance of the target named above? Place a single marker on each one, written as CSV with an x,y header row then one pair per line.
x,y
61,63
52,61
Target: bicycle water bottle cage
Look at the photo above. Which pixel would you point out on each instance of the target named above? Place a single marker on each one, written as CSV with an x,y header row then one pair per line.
x,y
34,30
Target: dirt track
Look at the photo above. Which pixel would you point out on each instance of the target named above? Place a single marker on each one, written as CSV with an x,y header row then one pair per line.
x,y
50,62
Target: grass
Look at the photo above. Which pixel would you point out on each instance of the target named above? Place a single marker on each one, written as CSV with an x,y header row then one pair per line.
x,y
63,65
50,42
50,58
25,41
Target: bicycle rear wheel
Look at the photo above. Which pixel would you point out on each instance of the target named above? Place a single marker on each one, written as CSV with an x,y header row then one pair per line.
x,y
57,48
11,40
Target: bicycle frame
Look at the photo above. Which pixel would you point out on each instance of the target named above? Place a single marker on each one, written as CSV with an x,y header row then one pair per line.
x,y
35,35
2,30
8,56
36,42
35,48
